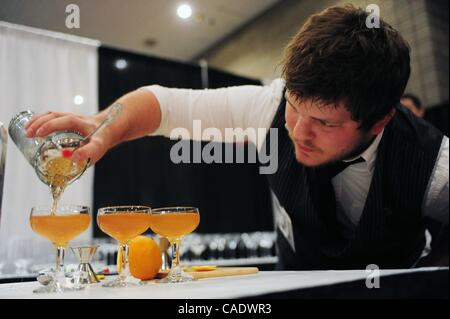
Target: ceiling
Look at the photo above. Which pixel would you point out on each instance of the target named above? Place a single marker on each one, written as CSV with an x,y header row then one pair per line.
x,y
130,24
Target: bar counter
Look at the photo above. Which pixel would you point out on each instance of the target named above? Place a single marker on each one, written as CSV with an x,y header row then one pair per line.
x,y
404,283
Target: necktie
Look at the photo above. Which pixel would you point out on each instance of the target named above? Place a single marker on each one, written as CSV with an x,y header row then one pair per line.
x,y
323,192
331,170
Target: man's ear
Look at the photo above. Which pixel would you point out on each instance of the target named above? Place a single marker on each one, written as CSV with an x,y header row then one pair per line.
x,y
379,126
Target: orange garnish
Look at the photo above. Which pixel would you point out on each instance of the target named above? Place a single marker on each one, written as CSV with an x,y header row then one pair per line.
x,y
203,268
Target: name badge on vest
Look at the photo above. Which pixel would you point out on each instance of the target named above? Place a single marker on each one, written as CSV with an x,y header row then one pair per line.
x,y
283,221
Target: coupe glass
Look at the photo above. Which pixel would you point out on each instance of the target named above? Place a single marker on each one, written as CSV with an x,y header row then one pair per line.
x,y
174,223
123,223
59,226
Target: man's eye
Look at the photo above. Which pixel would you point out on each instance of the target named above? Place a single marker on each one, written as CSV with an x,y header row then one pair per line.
x,y
327,124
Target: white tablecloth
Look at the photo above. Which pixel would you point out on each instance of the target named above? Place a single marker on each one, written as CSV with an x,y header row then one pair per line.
x,y
264,282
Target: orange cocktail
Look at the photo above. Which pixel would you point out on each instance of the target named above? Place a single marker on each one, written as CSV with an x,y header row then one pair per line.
x,y
176,225
60,229
123,226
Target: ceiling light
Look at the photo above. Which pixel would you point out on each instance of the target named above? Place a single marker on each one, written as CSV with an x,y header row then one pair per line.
x,y
78,100
184,11
121,64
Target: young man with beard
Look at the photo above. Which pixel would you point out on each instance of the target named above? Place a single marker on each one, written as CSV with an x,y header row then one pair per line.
x,y
360,179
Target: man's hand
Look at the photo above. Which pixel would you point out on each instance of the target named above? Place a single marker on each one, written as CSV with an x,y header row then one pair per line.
x,y
141,115
47,123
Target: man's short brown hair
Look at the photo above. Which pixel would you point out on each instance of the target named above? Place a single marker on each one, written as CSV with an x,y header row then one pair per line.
x,y
337,58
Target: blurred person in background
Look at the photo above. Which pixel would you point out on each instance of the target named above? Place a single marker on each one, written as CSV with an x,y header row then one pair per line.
x,y
414,104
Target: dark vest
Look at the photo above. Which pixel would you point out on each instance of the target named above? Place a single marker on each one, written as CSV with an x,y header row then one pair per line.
x,y
391,230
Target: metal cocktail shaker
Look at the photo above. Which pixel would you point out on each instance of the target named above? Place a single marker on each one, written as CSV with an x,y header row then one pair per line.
x,y
39,151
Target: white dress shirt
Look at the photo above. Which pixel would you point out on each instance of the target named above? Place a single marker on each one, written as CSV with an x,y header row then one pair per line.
x,y
255,107
351,187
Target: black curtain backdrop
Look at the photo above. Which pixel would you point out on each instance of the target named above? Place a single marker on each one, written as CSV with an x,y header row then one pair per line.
x,y
231,197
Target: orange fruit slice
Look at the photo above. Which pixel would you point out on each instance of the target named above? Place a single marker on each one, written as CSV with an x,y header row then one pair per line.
x,y
203,268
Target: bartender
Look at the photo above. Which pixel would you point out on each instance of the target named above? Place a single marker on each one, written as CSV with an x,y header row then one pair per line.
x,y
360,180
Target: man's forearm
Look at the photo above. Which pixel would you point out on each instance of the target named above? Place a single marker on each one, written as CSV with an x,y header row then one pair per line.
x,y
141,115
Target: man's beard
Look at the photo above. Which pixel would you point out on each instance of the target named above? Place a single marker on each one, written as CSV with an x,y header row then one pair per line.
x,y
363,143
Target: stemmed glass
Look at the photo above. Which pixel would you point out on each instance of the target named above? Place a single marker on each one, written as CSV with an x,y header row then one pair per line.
x,y
123,223
59,226
174,223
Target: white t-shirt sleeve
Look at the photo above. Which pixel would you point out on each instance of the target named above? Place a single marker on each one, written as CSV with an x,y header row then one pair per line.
x,y
244,107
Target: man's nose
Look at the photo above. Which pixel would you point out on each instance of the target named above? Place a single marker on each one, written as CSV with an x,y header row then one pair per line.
x,y
303,129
